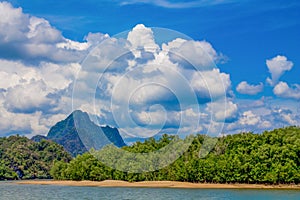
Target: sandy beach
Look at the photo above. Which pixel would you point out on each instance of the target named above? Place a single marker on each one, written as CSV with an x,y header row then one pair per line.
x,y
157,184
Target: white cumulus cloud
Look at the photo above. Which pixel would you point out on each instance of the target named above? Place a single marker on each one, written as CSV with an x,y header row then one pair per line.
x,y
283,90
249,118
245,88
200,54
142,37
277,67
134,74
211,84
27,38
223,111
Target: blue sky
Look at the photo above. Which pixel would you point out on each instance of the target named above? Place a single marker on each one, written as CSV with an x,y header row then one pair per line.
x,y
246,33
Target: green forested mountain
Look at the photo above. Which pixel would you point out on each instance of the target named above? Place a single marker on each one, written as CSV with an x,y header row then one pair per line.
x,y
77,133
23,158
271,157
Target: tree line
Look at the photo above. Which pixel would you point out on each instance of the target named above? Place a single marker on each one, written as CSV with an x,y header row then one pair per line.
x,y
270,158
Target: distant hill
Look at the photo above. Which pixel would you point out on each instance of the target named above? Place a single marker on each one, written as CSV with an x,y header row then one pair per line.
x,y
21,158
77,134
38,138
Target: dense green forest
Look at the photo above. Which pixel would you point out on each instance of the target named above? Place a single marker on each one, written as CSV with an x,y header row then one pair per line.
x,y
22,158
271,157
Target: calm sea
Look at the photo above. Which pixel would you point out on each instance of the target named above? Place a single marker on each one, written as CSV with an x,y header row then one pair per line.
x,y
12,191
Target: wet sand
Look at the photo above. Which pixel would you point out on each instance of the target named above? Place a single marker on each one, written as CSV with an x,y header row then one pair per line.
x,y
157,184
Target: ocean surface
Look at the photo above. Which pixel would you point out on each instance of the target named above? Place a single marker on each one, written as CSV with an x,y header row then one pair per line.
x,y
12,191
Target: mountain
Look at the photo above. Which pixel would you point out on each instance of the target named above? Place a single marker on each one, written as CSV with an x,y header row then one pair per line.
x,y
77,134
38,138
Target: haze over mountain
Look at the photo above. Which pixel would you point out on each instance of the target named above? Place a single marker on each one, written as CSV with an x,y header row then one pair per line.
x,y
77,134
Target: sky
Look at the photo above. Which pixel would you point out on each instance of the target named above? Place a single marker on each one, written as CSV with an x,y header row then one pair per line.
x,y
202,66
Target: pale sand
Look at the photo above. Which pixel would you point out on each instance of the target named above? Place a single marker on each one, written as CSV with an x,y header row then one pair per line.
x,y
157,184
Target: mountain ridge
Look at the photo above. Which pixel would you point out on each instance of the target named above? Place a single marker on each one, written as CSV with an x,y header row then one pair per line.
x,y
77,134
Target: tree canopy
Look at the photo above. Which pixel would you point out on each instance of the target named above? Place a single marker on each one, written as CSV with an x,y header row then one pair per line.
x,y
271,157
22,158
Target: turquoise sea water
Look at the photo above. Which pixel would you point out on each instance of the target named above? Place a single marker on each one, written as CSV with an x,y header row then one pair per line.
x,y
12,191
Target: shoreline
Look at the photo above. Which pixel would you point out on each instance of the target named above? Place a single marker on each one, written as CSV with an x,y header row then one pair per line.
x,y
157,184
